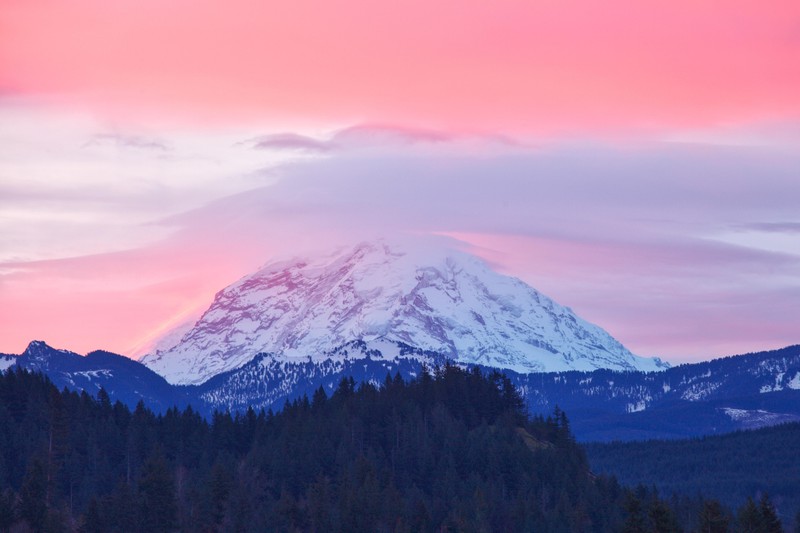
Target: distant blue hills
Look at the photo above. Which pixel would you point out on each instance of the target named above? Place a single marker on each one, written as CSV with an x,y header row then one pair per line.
x,y
719,396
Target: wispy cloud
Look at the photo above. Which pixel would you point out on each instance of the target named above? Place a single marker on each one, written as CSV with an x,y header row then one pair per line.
x,y
73,187
636,238
386,134
289,141
364,136
625,236
772,227
127,141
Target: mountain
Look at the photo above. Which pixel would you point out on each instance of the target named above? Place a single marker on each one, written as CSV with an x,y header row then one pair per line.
x,y
122,378
718,396
713,397
267,381
425,296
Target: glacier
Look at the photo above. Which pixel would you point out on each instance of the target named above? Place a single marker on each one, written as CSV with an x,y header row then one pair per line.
x,y
387,294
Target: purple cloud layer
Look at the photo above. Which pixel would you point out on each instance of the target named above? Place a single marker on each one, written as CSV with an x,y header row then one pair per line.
x,y
634,239
681,250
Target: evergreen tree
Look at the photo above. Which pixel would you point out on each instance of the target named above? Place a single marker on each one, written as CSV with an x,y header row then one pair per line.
x,y
7,506
122,509
157,505
713,518
320,398
749,517
770,523
452,449
635,521
33,496
221,480
662,518
92,520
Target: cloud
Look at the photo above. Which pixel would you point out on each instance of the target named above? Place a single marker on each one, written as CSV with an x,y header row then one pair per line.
x,y
585,191
635,238
289,141
624,236
773,227
70,187
388,135
127,141
363,136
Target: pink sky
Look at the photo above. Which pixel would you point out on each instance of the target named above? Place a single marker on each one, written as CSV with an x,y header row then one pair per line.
x,y
636,162
515,66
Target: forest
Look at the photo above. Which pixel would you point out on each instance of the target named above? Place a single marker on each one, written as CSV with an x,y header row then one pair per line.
x,y
729,468
451,450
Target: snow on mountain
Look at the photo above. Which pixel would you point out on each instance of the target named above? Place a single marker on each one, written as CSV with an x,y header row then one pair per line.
x,y
41,357
758,418
7,361
718,396
122,378
425,295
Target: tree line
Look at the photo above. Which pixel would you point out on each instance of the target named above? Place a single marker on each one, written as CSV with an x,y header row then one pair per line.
x,y
452,450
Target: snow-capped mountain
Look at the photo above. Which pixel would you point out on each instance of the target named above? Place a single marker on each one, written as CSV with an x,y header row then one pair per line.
x,y
122,378
718,396
426,296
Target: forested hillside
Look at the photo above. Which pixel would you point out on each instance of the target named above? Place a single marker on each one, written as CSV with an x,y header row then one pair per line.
x,y
450,451
713,397
730,467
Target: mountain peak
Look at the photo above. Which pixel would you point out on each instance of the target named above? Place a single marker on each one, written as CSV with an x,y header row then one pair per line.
x,y
419,294
38,349
33,345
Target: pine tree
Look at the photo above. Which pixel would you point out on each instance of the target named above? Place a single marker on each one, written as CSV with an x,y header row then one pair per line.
x,y
319,496
122,508
104,401
92,520
7,498
157,495
635,522
749,517
770,523
713,518
320,398
220,491
33,496
662,519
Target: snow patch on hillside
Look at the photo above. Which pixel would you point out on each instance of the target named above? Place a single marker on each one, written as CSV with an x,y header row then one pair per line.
x,y
7,361
756,418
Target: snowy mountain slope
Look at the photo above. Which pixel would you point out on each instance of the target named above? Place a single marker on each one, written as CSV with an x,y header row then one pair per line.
x,y
122,378
697,399
717,396
268,381
425,296
726,394
7,361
